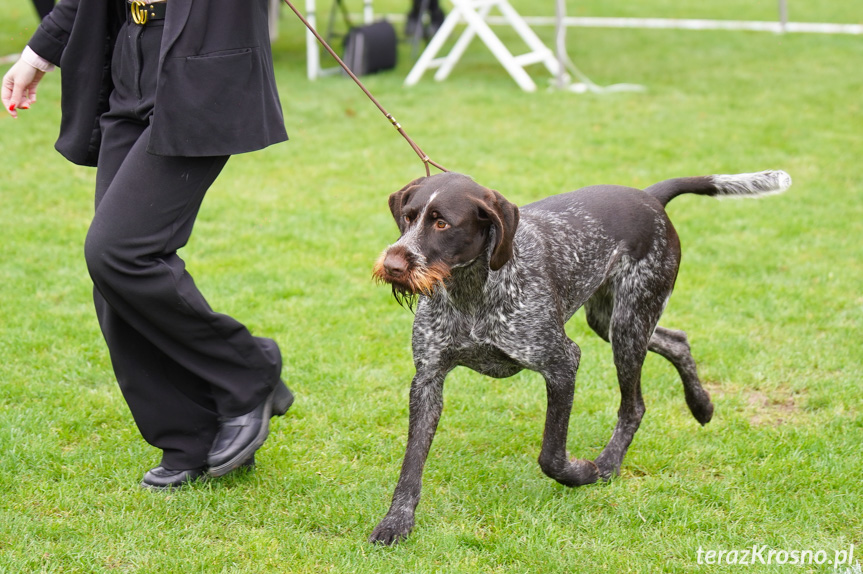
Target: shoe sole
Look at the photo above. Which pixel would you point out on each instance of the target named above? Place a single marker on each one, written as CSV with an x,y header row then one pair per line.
x,y
169,487
184,484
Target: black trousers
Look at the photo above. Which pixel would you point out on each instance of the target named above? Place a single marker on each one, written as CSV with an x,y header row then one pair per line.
x,y
179,364
416,5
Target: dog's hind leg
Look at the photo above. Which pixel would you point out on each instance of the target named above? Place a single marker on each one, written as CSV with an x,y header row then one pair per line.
x,y
426,404
674,346
638,303
668,343
560,386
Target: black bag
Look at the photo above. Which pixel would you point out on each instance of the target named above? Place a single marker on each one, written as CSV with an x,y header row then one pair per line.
x,y
370,48
367,49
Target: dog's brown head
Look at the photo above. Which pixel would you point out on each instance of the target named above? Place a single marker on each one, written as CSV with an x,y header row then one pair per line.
x,y
446,221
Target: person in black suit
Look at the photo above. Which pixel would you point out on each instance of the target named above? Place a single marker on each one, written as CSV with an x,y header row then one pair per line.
x,y
43,7
158,96
414,20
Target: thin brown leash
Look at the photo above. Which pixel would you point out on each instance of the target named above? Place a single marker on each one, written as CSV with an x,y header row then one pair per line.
x,y
425,159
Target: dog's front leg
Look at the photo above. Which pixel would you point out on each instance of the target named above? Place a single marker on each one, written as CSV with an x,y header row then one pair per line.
x,y
426,404
560,388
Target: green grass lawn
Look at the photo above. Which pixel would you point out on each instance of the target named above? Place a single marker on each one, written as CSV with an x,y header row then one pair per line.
x,y
769,294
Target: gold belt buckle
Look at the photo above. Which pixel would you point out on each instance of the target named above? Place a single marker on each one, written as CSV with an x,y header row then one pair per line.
x,y
139,12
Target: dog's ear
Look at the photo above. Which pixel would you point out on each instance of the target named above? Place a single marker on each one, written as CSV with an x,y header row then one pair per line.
x,y
398,199
503,215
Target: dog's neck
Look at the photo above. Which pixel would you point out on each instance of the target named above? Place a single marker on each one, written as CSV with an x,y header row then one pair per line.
x,y
471,288
466,285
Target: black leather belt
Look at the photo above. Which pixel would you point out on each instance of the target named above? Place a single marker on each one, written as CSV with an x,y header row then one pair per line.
x,y
144,12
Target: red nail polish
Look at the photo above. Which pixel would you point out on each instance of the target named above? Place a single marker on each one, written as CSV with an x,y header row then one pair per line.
x,y
11,107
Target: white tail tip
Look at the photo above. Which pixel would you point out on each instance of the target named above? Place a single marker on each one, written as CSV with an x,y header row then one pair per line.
x,y
752,184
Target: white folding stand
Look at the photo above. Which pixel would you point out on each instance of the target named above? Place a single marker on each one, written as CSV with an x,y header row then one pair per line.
x,y
313,54
474,13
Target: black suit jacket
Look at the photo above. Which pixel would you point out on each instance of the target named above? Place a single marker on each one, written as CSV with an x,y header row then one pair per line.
x,y
216,91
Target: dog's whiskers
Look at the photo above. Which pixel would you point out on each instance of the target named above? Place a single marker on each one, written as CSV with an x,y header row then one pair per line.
x,y
417,281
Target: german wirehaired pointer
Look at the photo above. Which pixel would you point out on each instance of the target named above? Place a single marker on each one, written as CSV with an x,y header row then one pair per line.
x,y
496,284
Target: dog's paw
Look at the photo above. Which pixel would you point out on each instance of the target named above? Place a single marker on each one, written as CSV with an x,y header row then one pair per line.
x,y
698,401
607,468
576,472
392,529
583,471
701,408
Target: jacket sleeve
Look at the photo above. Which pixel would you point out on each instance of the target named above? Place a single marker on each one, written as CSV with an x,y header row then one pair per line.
x,y
51,36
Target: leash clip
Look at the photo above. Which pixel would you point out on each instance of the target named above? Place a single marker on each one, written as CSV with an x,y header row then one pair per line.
x,y
140,15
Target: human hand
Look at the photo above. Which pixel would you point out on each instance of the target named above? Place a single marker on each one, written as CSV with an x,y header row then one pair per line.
x,y
19,87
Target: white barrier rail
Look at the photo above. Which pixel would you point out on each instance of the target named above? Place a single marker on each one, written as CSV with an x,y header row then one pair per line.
x,y
691,24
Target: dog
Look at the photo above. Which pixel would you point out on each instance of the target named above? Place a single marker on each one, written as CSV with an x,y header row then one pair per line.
x,y
494,285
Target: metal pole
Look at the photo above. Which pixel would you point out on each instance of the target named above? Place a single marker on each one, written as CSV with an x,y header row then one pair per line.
x,y
783,15
561,47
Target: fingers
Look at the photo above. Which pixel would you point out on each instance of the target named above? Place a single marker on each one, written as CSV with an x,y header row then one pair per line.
x,y
28,96
6,94
19,87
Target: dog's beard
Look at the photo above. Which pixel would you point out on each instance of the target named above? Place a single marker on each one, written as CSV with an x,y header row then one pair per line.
x,y
419,280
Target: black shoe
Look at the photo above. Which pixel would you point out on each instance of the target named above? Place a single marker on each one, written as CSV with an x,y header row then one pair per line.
x,y
239,437
160,478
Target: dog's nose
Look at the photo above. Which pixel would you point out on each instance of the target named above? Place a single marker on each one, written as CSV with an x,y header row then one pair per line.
x,y
395,264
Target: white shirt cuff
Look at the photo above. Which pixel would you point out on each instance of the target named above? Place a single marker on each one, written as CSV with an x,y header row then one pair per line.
x,y
35,60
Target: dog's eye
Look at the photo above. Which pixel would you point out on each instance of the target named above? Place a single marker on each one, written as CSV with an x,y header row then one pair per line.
x,y
441,224
407,219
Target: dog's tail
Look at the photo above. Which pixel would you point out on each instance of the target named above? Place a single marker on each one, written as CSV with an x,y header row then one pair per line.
x,y
740,185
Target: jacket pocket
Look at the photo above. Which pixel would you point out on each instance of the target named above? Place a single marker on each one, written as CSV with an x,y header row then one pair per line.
x,y
222,54
218,103
219,81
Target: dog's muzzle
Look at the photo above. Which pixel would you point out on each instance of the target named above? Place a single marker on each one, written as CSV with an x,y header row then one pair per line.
x,y
408,277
